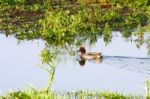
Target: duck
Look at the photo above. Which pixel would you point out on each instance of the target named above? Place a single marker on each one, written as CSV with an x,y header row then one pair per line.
x,y
89,55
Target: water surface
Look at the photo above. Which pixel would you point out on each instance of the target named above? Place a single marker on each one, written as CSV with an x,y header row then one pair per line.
x,y
124,67
19,64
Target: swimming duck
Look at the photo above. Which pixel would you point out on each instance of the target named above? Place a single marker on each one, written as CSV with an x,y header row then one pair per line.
x,y
89,55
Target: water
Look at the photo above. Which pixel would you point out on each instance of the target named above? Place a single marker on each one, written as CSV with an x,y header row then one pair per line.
x,y
124,67
19,64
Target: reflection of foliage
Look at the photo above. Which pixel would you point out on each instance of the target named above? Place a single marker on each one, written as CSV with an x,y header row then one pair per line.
x,y
140,36
107,34
148,45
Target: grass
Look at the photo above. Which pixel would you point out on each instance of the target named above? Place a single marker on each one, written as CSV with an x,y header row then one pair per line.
x,y
32,93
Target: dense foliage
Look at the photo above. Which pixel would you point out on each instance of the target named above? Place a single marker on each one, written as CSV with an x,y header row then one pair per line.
x,y
57,19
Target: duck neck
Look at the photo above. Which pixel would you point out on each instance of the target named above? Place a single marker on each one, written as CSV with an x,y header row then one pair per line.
x,y
83,51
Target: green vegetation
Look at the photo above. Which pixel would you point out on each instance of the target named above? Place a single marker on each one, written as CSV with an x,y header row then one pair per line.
x,y
68,23
31,93
63,20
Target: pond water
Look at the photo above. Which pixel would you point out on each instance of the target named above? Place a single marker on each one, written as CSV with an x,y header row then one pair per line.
x,y
19,64
123,68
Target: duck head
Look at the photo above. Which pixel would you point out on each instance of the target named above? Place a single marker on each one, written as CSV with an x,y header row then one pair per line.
x,y
82,50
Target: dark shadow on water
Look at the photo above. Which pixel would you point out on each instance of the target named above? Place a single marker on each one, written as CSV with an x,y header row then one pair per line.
x,y
82,61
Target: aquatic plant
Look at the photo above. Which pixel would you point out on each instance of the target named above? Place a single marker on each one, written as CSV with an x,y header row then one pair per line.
x,y
48,65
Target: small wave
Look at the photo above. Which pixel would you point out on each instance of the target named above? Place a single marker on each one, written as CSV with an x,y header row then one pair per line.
x,y
138,64
125,57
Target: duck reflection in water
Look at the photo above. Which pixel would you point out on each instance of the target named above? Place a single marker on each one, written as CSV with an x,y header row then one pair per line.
x,y
84,56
